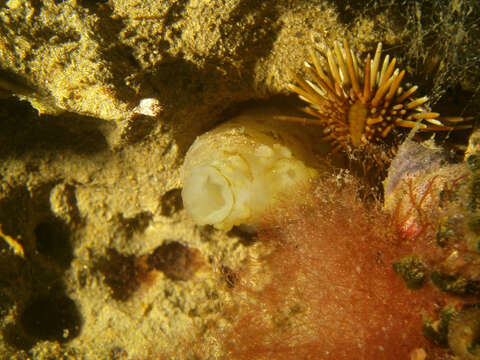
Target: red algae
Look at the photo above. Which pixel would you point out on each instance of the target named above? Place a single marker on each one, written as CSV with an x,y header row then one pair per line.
x,y
436,212
331,291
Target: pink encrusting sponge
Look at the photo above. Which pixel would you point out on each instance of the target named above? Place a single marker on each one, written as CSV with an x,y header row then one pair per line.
x,y
332,292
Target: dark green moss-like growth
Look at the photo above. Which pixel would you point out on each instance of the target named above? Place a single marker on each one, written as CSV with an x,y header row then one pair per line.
x,y
474,225
437,331
412,270
455,284
474,195
473,162
447,231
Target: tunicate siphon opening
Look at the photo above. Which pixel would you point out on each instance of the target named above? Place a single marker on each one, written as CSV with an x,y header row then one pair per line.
x,y
208,195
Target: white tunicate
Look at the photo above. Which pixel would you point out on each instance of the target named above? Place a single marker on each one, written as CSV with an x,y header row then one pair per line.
x,y
235,172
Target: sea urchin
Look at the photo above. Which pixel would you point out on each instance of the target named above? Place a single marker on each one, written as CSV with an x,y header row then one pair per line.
x,y
362,107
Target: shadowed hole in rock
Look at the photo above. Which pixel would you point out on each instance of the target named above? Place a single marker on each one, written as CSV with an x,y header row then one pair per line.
x,y
172,202
53,240
206,232
135,224
92,3
26,132
13,337
54,318
138,127
245,234
6,302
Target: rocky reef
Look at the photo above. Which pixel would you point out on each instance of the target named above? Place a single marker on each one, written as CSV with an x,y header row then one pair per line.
x,y
99,104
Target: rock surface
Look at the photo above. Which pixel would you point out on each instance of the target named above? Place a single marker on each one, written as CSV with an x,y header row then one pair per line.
x,y
89,177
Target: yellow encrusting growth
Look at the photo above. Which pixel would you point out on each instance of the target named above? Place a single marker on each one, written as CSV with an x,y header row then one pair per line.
x,y
14,244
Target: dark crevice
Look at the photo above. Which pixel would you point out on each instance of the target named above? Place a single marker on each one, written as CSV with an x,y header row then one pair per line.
x,y
128,226
52,317
172,202
49,314
245,235
25,132
53,241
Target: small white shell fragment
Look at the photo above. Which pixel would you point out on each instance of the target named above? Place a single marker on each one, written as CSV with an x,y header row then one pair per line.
x,y
235,172
148,107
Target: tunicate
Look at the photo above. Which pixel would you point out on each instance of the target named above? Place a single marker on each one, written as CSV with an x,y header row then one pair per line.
x,y
235,172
